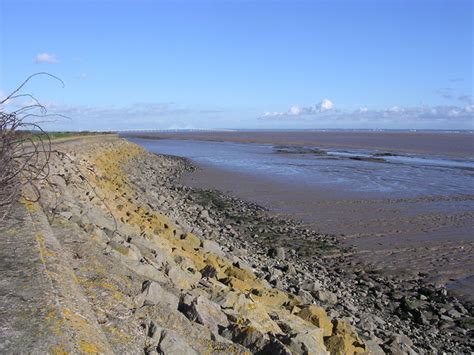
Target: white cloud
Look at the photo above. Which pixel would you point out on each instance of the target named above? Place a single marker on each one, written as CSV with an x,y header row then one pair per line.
x,y
326,110
269,114
325,105
296,110
46,58
395,109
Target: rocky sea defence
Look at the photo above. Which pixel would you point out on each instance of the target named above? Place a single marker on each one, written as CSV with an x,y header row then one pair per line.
x,y
121,258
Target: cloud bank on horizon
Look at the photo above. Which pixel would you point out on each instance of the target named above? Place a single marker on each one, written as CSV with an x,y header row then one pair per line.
x,y
325,114
323,106
327,109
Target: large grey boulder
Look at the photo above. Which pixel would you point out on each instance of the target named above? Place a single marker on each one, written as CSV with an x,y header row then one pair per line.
x,y
148,271
212,247
249,337
152,294
182,279
171,343
205,312
278,252
311,286
305,343
400,344
326,296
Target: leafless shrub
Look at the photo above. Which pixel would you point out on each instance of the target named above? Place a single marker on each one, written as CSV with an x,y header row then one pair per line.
x,y
25,148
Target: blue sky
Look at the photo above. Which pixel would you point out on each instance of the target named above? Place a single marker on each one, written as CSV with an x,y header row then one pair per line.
x,y
244,64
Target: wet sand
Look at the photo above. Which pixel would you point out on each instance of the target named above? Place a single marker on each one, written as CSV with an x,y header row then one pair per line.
x,y
431,236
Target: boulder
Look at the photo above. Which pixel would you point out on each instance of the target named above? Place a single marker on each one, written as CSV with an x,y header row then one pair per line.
x,y
100,219
147,271
301,337
305,343
167,318
191,241
254,313
400,344
277,253
274,274
172,343
205,312
248,336
344,340
182,279
305,296
311,286
204,214
291,270
212,247
275,346
125,249
152,294
318,317
326,297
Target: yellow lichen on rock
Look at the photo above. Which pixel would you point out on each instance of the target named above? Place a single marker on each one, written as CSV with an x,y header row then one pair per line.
x,y
237,289
318,317
344,340
30,205
59,350
77,321
191,240
89,348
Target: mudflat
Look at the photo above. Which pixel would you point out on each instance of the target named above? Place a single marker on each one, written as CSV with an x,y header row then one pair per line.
x,y
429,235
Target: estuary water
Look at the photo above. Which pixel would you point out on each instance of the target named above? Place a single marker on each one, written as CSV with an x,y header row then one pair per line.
x,y
349,171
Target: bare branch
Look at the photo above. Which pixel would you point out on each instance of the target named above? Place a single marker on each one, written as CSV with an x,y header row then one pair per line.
x,y
25,148
26,81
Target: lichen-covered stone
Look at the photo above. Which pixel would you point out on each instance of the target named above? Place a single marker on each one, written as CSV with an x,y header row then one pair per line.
x,y
318,317
345,340
190,240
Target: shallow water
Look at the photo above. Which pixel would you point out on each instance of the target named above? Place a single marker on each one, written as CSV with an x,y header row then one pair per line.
x,y
344,170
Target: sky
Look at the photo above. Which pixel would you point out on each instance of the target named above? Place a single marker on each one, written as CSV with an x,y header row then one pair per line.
x,y
378,64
